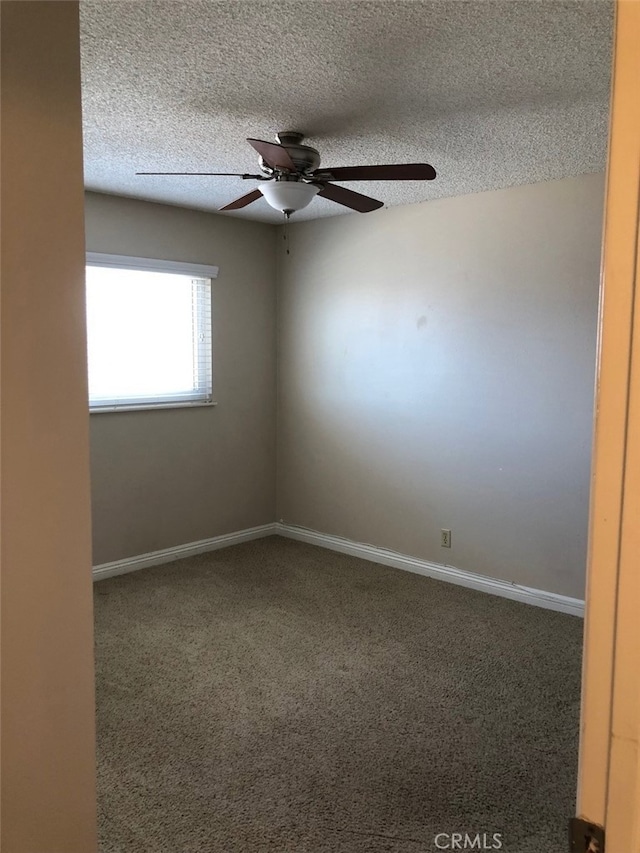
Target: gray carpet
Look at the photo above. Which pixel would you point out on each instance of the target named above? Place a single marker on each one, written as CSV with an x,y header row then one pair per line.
x,y
278,697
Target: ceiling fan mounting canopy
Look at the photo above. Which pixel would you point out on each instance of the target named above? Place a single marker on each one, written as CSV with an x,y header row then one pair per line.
x,y
290,176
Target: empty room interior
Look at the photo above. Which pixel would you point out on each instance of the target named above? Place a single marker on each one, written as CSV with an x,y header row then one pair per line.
x,y
339,580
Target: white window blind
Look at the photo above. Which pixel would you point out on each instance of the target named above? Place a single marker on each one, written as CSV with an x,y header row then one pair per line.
x,y
149,337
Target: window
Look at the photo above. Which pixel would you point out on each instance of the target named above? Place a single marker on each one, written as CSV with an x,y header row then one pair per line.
x,y
148,333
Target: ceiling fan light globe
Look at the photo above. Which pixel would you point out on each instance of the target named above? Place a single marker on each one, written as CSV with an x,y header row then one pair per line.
x,y
288,195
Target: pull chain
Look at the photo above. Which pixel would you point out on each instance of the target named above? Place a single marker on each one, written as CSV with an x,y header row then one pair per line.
x,y
285,235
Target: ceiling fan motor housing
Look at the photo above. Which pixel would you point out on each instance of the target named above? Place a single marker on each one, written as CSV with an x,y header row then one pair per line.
x,y
305,158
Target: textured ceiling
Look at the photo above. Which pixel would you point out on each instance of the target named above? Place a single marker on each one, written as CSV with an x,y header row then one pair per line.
x,y
490,93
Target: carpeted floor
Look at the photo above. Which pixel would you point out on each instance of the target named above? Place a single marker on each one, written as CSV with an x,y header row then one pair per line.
x,y
278,697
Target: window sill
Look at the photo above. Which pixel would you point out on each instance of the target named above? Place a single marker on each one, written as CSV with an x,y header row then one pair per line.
x,y
110,410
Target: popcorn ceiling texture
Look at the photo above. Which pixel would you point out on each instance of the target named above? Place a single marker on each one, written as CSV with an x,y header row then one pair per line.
x,y
492,94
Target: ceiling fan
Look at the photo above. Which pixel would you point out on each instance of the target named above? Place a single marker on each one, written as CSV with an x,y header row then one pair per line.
x,y
290,177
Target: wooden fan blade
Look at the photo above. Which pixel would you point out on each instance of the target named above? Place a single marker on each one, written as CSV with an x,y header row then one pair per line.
x,y
356,201
243,201
274,155
400,172
227,174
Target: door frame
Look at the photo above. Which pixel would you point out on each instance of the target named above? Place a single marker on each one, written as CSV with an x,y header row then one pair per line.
x,y
609,766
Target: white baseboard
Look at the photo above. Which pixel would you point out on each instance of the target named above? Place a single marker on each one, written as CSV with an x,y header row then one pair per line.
x,y
516,592
525,594
168,555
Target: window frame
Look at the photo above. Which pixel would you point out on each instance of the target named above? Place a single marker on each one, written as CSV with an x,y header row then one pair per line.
x,y
127,262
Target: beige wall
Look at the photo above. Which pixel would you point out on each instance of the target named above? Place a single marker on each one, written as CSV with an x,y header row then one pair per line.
x,y
436,370
167,477
47,752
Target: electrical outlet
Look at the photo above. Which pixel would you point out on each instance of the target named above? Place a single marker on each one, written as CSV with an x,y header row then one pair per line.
x,y
445,538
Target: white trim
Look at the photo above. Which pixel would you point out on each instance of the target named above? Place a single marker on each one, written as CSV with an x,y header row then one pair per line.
x,y
150,407
99,259
383,556
190,549
505,589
